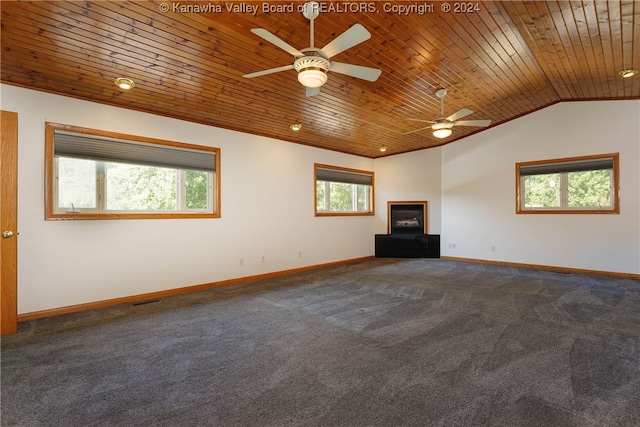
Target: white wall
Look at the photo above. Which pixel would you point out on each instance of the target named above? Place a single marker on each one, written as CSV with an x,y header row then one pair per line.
x,y
267,210
478,190
409,177
267,203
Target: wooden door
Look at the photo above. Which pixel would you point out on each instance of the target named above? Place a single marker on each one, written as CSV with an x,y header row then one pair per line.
x,y
9,222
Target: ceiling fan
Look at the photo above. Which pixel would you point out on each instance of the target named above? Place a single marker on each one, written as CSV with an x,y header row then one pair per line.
x,y
442,125
312,63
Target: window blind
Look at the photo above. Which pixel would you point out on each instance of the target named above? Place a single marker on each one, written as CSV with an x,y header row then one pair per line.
x,y
115,150
334,175
577,166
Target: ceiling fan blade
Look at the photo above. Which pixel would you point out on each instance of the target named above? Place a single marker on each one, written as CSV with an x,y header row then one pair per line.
x,y
460,114
272,38
269,71
351,37
417,130
312,91
481,123
420,120
365,73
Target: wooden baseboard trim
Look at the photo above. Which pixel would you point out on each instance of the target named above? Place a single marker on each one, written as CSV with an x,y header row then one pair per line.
x,y
177,291
545,267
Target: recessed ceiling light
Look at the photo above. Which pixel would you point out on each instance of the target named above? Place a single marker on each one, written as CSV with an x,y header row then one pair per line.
x,y
296,126
124,83
383,148
628,73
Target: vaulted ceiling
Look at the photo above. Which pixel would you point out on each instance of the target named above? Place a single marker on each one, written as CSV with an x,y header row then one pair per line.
x,y
500,59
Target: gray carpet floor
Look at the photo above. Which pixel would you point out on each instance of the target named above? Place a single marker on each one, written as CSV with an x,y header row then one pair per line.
x,y
417,342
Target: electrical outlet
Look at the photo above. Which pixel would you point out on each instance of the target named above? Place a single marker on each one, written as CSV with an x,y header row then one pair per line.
x,y
493,248
299,254
452,245
262,259
241,262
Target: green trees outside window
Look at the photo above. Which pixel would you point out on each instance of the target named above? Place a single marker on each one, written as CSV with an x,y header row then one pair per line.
x,y
341,197
129,187
591,189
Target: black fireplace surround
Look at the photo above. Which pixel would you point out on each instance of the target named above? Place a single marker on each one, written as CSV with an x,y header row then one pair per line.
x,y
407,238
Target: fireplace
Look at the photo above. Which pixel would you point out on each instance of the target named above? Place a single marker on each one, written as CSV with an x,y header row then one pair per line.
x,y
407,233
407,217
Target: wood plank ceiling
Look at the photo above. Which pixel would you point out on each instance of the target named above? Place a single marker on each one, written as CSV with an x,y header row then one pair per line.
x,y
502,60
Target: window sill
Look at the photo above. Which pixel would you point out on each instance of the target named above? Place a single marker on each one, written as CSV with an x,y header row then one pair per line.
x,y
344,213
567,211
112,216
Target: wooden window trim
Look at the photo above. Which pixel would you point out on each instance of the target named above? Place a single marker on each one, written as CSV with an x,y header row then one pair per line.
x,y
371,212
616,186
49,175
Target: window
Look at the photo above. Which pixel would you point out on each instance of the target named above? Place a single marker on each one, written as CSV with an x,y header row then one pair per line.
x,y
572,185
342,191
94,174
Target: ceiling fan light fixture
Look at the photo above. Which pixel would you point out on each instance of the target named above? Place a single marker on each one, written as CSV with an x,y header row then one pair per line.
x,y
628,73
124,83
441,133
312,77
442,129
312,70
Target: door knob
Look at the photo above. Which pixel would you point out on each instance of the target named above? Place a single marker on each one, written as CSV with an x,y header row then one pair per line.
x,y
7,234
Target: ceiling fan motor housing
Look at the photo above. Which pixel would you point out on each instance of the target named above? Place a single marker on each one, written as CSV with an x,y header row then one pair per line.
x,y
442,124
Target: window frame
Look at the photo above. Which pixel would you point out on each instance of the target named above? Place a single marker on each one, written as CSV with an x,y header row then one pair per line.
x,y
52,213
615,184
371,195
